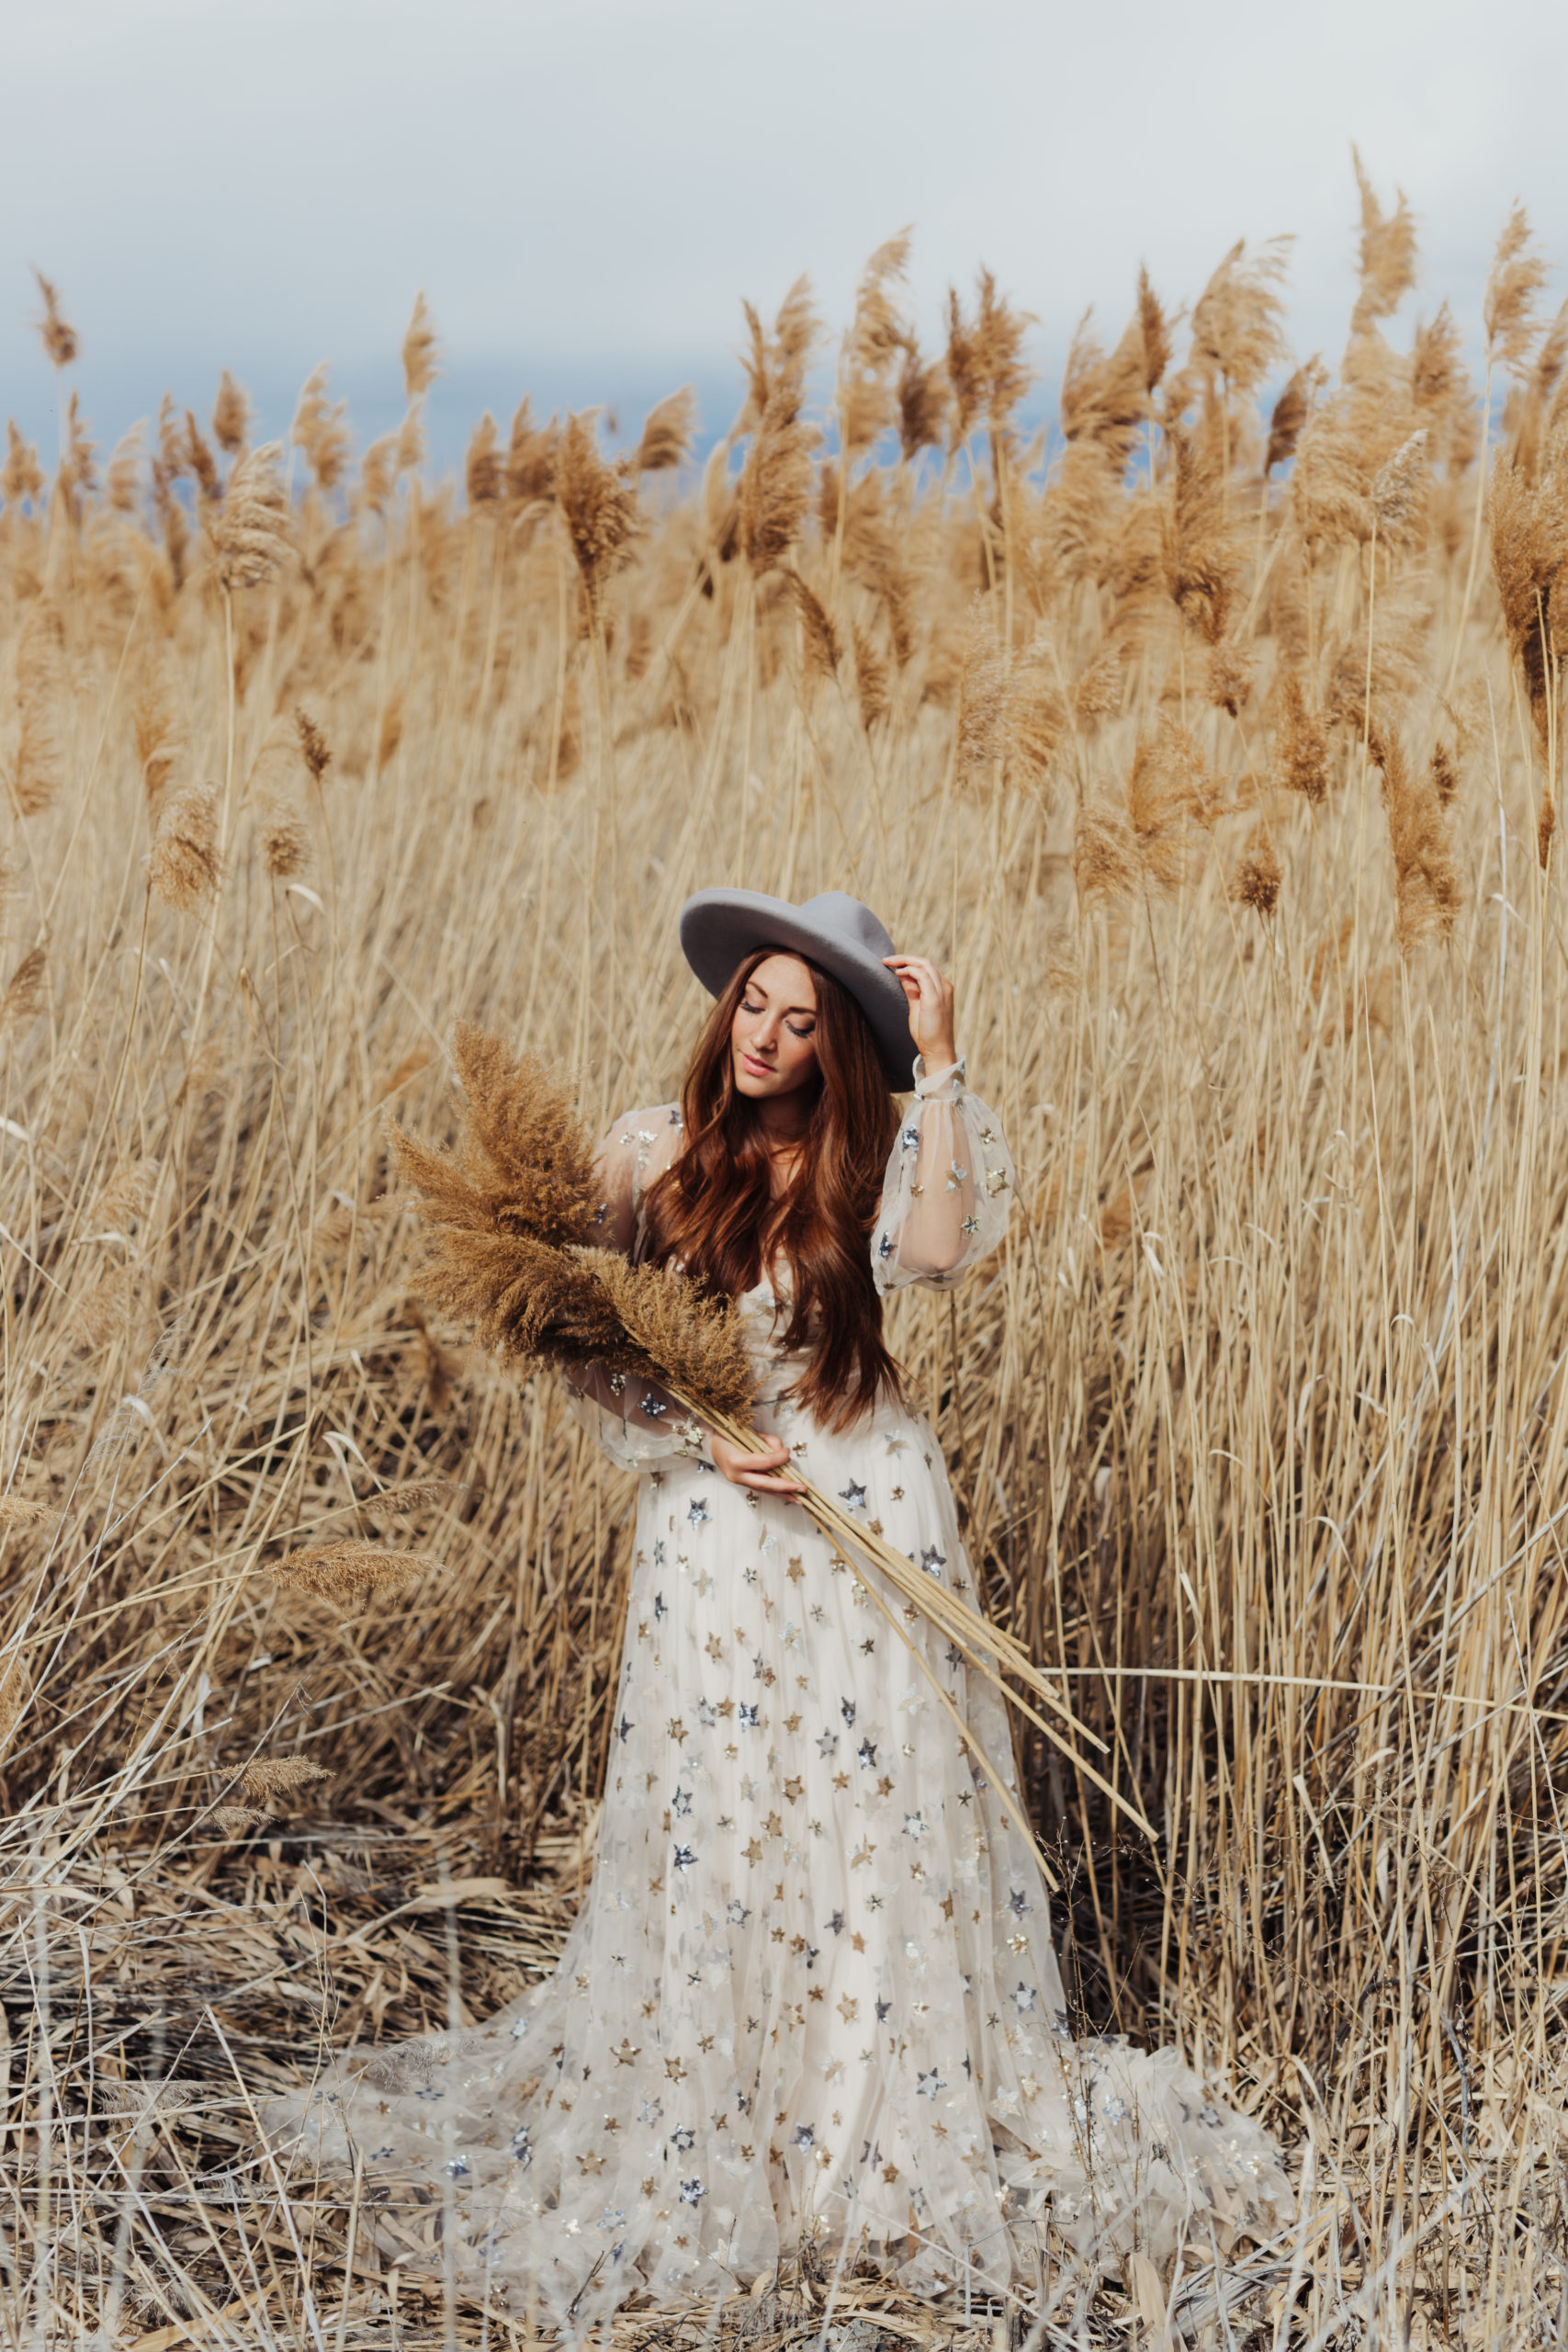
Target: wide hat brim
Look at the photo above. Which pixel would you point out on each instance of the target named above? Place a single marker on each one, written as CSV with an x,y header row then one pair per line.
x,y
720,928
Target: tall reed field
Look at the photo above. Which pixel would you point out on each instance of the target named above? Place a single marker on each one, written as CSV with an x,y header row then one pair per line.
x,y
1214,747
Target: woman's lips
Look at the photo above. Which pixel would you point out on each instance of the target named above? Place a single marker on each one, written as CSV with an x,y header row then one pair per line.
x,y
755,1068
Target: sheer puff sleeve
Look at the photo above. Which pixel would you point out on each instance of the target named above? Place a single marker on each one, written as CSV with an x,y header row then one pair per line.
x,y
634,1420
949,1183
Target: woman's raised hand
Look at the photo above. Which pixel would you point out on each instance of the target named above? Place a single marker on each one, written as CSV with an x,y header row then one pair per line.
x,y
930,1008
766,1472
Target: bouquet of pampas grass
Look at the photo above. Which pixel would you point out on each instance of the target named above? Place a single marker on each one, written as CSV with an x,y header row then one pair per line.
x,y
513,1252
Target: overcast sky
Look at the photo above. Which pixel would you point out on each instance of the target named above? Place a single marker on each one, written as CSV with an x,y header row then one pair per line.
x,y
586,189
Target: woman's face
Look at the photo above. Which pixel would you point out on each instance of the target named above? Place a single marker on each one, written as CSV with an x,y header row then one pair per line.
x,y
772,1039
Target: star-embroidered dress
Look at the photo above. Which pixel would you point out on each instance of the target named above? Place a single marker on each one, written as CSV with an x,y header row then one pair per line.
x,y
811,1988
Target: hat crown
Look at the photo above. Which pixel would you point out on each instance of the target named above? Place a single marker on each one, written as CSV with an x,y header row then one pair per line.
x,y
836,911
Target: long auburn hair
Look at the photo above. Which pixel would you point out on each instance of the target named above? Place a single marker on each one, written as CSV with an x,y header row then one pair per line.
x,y
713,1209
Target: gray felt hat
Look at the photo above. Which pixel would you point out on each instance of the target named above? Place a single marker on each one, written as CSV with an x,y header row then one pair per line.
x,y
720,928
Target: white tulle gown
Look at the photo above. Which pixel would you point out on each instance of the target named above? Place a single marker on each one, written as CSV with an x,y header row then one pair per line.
x,y
811,1989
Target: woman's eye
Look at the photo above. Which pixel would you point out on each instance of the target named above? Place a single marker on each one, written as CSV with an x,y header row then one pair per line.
x,y
799,1033
747,1006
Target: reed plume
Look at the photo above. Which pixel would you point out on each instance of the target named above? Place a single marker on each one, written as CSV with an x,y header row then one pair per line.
x,y
530,459
420,351
923,399
1199,545
484,473
271,1776
776,480
819,639
1255,882
599,507
351,1574
184,867
158,733
21,481
313,746
1238,332
55,332
378,474
319,431
982,697
1509,305
1426,889
1290,411
1387,255
201,464
38,773
230,416
252,533
667,434
1398,490
26,992
122,476
1529,562
78,467
876,337
871,678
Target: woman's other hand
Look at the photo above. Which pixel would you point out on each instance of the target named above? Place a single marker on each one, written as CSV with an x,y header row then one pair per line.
x,y
930,1009
765,1472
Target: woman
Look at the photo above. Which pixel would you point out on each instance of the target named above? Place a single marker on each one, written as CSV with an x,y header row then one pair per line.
x,y
811,1992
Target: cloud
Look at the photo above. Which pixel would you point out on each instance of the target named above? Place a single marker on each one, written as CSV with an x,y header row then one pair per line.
x,y
586,189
